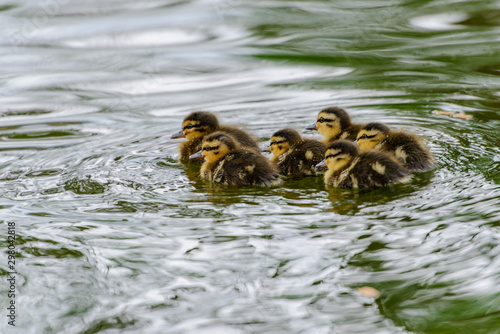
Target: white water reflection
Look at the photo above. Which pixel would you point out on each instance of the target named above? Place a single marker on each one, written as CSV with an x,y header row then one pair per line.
x,y
440,22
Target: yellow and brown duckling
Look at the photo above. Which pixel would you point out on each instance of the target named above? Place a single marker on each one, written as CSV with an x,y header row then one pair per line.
x,y
201,123
294,155
227,163
348,168
334,123
409,149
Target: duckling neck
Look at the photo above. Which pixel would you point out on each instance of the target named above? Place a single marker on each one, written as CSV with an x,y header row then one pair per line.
x,y
336,177
381,142
210,169
331,139
283,157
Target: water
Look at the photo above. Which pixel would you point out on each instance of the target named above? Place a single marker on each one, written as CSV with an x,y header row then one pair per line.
x,y
115,236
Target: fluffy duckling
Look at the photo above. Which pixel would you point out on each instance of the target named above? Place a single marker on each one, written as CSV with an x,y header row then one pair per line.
x,y
334,123
227,163
294,155
348,168
200,123
409,149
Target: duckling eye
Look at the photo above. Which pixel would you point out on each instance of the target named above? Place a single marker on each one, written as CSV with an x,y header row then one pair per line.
x,y
365,136
274,142
331,155
323,120
209,148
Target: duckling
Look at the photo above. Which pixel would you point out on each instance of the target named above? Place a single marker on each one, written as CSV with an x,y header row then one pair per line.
x,y
200,123
409,149
348,168
334,123
227,163
294,155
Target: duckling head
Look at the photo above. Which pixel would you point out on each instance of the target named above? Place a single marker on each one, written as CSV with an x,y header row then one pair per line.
x,y
370,135
197,124
216,145
282,140
331,122
339,154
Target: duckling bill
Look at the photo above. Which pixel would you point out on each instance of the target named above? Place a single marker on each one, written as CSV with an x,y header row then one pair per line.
x,y
294,155
348,168
226,162
409,149
334,123
201,123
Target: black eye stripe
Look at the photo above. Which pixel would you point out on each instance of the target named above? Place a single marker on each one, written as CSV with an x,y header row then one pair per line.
x,y
322,120
278,142
190,126
331,155
209,148
366,136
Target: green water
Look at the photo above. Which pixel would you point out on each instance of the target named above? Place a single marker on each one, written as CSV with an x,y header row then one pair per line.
x,y
115,236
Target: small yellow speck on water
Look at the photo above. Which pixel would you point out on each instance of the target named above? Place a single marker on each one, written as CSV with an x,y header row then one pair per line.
x,y
367,291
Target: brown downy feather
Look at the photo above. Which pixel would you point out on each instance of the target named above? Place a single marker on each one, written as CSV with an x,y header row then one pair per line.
x,y
409,149
366,170
205,123
242,167
239,166
294,155
349,133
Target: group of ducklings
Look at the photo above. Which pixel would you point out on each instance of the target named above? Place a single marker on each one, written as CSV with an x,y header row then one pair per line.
x,y
356,155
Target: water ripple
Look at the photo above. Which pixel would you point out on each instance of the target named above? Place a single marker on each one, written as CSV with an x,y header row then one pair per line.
x,y
115,235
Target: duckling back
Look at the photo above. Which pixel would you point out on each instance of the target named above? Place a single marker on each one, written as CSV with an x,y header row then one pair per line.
x,y
368,170
410,150
242,167
242,137
302,158
350,133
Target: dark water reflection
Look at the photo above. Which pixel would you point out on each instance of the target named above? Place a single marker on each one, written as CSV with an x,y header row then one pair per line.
x,y
115,236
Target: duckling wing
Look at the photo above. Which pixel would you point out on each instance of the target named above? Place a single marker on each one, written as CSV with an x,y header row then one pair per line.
x,y
409,149
243,167
244,138
373,170
303,158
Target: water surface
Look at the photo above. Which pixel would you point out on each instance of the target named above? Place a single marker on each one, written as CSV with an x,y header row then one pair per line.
x,y
115,236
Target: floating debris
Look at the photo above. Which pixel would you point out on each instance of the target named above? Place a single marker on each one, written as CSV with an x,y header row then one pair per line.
x,y
367,291
452,114
462,116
